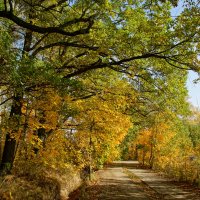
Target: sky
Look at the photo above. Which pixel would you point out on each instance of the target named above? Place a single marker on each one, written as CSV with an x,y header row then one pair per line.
x,y
193,89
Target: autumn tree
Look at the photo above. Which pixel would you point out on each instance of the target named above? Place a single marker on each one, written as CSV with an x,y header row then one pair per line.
x,y
56,43
101,121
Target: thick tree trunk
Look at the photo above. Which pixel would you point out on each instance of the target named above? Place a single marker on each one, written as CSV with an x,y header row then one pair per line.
x,y
10,142
8,154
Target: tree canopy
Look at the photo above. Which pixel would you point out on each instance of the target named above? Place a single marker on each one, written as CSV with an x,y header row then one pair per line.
x,y
76,75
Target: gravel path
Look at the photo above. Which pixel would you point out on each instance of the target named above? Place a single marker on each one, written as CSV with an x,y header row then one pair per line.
x,y
115,184
125,180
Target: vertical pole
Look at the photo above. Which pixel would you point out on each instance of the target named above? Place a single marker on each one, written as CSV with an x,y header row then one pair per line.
x,y
90,151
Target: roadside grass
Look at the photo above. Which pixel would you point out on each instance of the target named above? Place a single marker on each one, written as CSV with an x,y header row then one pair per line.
x,y
89,189
49,185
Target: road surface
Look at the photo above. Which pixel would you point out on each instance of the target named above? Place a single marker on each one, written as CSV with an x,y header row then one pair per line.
x,y
125,180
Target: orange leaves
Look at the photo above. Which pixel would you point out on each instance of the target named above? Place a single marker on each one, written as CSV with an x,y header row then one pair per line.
x,y
106,126
100,123
78,130
151,142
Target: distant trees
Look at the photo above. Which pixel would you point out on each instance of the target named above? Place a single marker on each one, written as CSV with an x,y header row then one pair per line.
x,y
169,144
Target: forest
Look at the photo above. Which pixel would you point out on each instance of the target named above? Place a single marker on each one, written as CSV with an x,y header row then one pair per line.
x,y
87,82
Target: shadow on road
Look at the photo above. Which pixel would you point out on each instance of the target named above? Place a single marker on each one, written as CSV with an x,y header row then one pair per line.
x,y
126,180
113,192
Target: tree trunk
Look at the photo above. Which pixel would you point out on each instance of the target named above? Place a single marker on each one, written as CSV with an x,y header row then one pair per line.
x,y
10,147
136,152
151,158
143,156
10,142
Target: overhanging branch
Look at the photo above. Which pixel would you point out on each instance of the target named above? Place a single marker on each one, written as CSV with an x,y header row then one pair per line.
x,y
64,44
44,30
99,64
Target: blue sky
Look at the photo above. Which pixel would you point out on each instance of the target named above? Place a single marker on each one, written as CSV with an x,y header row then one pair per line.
x,y
193,89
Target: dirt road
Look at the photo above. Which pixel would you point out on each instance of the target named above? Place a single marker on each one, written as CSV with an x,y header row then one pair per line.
x,y
115,184
124,180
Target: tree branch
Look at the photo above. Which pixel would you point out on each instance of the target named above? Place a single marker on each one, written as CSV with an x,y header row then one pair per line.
x,y
39,41
64,66
173,65
5,100
11,6
4,92
55,5
5,5
43,30
64,44
84,68
100,64
179,43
